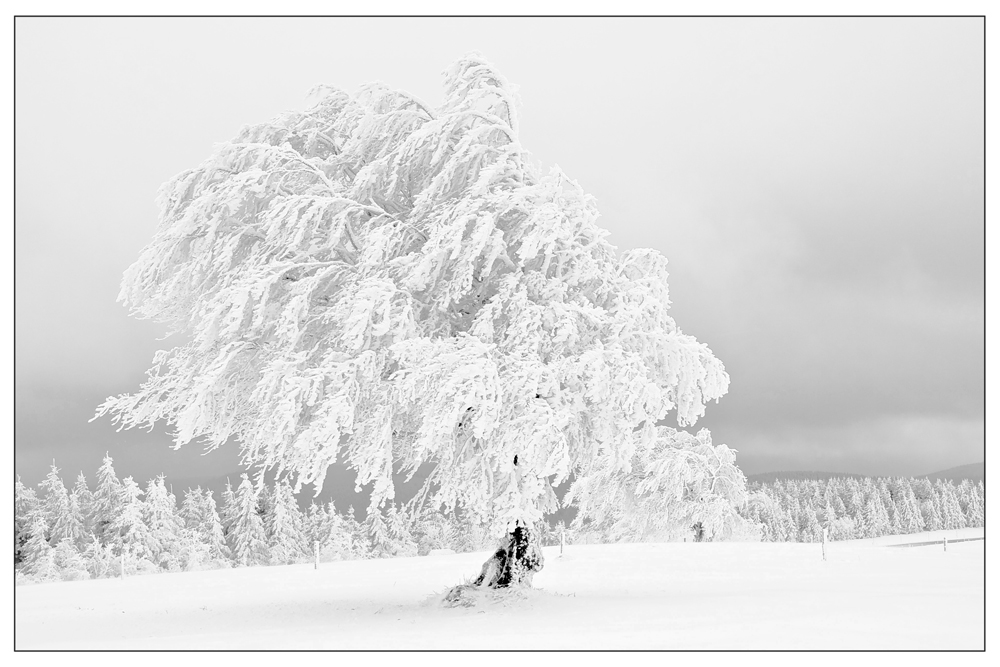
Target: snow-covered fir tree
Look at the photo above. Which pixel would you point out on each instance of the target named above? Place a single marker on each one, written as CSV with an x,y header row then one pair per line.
x,y
37,555
400,533
283,526
973,508
159,512
379,542
951,510
107,501
211,529
227,513
392,285
85,501
54,501
192,508
26,506
345,539
70,525
130,534
248,540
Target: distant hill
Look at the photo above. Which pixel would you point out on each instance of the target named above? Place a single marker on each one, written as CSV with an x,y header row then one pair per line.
x,y
770,477
974,471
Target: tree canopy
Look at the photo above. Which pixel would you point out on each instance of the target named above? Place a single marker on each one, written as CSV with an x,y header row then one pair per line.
x,y
386,284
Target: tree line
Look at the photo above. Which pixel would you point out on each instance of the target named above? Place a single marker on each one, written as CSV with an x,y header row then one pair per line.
x,y
74,533
79,533
798,510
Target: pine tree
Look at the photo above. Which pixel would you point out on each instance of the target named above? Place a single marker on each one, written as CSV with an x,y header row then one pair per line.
x,y
345,537
951,512
356,530
892,523
399,533
159,512
129,532
227,514
212,530
26,506
249,543
107,502
54,502
70,525
192,511
38,559
911,521
283,526
394,286
874,518
85,501
973,506
379,544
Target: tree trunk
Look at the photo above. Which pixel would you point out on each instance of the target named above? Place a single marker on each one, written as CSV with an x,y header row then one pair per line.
x,y
514,563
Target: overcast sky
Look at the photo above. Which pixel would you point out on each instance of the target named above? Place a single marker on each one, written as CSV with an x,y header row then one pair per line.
x,y
816,184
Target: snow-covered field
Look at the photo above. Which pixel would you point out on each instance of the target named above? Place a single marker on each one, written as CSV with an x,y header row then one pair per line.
x,y
639,596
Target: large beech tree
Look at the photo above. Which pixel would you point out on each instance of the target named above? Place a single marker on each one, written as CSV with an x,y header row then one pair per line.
x,y
391,285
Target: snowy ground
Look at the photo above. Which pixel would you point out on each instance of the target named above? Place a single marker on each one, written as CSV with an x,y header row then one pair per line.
x,y
653,596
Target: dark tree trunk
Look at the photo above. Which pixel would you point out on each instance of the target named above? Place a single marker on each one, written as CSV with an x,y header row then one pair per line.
x,y
514,563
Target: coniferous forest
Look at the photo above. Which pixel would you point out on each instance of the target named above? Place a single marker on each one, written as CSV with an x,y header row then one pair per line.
x,y
93,531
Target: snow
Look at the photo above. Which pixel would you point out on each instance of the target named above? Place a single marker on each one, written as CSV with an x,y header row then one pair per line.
x,y
717,595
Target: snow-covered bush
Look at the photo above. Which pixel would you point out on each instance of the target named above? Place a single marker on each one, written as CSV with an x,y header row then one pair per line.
x,y
71,564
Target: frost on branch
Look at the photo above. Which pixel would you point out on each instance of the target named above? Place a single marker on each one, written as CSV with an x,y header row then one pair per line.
x,y
377,282
673,481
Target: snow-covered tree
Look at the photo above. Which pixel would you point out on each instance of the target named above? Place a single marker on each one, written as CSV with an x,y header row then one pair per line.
x,y
392,285
379,543
192,508
26,506
875,518
70,525
249,543
283,526
211,529
665,489
227,514
107,501
973,508
345,539
951,511
910,520
159,512
100,559
37,556
69,562
129,532
85,501
400,533
54,501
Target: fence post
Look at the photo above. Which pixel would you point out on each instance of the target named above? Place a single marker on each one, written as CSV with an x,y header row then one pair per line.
x,y
316,548
562,541
945,542
824,544
121,557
